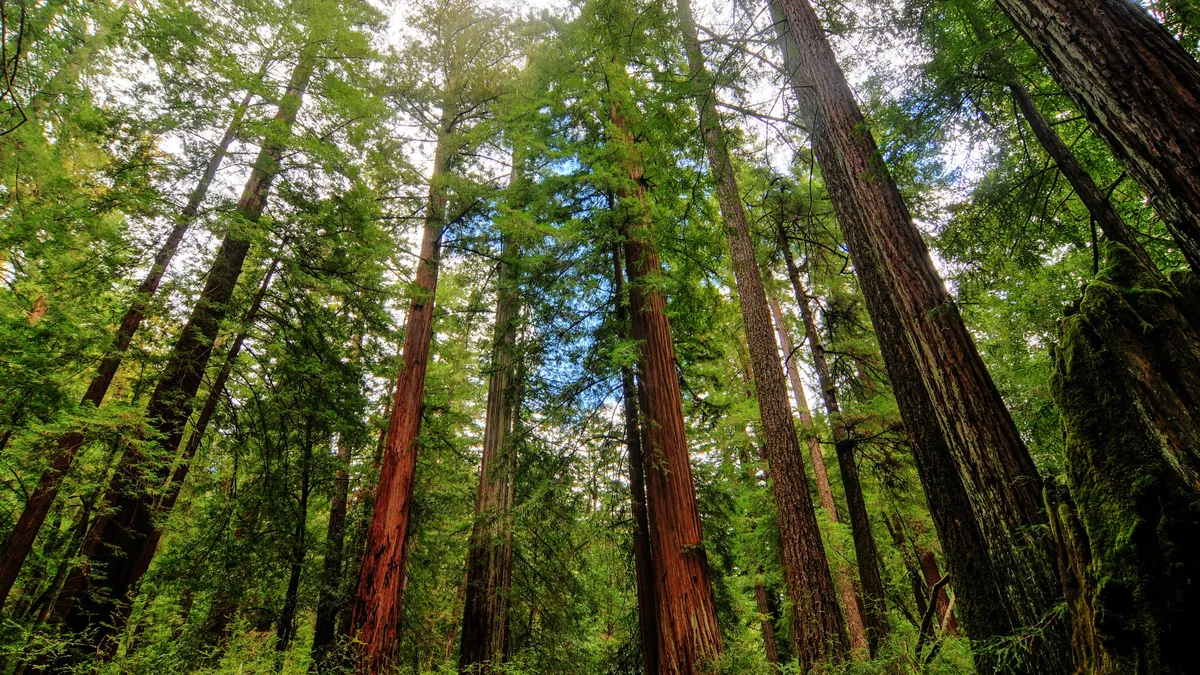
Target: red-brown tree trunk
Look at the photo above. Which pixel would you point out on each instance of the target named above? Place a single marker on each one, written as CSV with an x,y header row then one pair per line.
x,y
860,523
123,537
1139,89
933,574
688,635
489,558
20,539
983,489
855,620
375,621
819,631
643,564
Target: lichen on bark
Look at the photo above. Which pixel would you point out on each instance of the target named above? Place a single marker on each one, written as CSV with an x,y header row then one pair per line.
x,y
1127,382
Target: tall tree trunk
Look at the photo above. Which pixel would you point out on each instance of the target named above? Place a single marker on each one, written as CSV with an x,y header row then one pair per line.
x,y
331,598
855,619
860,523
768,624
1139,89
1093,198
285,625
983,489
643,565
20,539
933,574
489,558
688,635
376,614
127,532
819,629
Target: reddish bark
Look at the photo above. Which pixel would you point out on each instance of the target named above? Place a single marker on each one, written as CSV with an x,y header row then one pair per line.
x,y
983,489
688,636
932,574
642,561
123,539
819,632
375,621
20,539
1139,89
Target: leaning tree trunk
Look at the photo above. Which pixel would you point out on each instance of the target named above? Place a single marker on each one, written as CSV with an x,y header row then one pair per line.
x,y
855,619
688,635
819,631
1099,207
1139,89
375,620
1127,381
981,483
126,533
643,564
856,503
20,539
489,558
331,598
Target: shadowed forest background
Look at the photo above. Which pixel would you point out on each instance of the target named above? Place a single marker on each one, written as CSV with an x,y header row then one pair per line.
x,y
599,336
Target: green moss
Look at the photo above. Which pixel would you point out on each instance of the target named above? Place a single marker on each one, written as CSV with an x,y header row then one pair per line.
x,y
1123,372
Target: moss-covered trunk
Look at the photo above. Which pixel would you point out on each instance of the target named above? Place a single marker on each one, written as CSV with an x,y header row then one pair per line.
x,y
1127,380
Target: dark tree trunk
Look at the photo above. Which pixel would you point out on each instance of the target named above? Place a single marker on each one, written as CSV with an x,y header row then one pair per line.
x,y
911,568
933,574
642,562
688,635
983,489
1127,381
855,619
125,536
819,631
489,558
1093,198
1139,89
768,625
376,615
285,625
860,523
331,598
20,539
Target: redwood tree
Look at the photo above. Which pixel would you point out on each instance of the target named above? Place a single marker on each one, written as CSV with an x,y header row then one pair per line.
x,y
819,631
983,489
20,539
1139,89
121,541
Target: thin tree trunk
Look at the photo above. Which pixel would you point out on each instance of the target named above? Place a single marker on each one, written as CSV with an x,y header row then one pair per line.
x,y
1097,203
818,626
331,598
489,558
855,619
285,626
768,624
1139,89
376,615
915,580
932,574
860,523
642,563
688,635
20,539
983,489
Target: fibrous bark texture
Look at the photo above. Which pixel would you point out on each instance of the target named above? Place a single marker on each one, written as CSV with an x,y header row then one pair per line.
x,y
688,637
20,539
376,615
1139,89
1127,380
983,489
122,540
642,562
819,631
